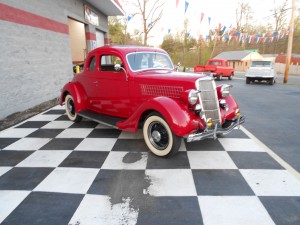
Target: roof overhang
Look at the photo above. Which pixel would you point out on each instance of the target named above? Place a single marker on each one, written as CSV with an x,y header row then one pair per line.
x,y
108,7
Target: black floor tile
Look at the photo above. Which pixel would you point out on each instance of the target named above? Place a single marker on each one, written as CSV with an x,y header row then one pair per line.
x,y
85,159
62,118
55,111
45,133
121,184
84,124
204,145
4,142
45,208
130,145
254,160
33,124
62,144
178,161
235,134
23,178
221,182
283,210
170,210
12,158
104,133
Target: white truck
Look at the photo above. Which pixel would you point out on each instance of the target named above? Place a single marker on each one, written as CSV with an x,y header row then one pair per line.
x,y
261,70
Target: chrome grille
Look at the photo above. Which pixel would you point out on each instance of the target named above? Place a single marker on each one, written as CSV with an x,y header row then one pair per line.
x,y
209,99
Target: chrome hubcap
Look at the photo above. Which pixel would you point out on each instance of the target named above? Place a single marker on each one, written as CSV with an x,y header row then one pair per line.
x,y
156,136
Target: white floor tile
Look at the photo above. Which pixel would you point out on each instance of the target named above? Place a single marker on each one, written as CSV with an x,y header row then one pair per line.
x,y
68,180
28,144
97,209
210,160
96,144
182,146
44,158
131,135
9,200
221,210
42,117
58,107
171,182
240,144
272,182
58,125
116,161
75,133
4,169
16,132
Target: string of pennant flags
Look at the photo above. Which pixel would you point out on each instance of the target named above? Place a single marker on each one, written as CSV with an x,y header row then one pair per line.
x,y
222,32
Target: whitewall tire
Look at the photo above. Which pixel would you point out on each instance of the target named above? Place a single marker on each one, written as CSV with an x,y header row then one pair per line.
x,y
70,109
158,136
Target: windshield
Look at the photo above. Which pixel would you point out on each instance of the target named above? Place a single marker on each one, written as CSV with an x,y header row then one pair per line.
x,y
149,60
261,64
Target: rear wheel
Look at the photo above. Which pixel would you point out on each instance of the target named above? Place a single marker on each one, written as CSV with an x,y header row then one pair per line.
x,y
220,77
158,136
248,80
70,109
230,77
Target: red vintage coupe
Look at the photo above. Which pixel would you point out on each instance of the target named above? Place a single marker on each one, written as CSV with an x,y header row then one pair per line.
x,y
132,87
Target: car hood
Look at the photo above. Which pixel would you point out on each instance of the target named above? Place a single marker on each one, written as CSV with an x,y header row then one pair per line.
x,y
164,77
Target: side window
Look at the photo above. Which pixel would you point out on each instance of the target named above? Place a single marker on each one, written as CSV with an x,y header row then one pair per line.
x,y
92,64
108,62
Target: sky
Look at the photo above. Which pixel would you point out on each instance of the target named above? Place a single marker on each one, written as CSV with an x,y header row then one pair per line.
x,y
214,12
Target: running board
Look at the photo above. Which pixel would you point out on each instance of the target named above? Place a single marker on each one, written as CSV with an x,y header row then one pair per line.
x,y
110,121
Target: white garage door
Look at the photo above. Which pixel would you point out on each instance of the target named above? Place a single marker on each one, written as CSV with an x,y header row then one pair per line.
x,y
100,38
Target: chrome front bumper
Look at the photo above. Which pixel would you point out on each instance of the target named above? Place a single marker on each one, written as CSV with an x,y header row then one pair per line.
x,y
217,130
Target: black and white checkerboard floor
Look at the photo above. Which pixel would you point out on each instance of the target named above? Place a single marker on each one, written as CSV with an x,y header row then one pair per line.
x,y
53,171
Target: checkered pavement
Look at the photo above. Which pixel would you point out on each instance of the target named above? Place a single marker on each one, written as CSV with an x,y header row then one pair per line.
x,y
53,171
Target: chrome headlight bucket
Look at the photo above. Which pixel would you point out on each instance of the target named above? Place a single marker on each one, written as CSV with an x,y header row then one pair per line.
x,y
193,97
225,90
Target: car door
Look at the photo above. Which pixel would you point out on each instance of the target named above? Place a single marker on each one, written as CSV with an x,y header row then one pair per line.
x,y
112,93
89,80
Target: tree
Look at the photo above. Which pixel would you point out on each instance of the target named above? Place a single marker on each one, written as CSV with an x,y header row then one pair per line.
x,y
243,16
150,12
279,14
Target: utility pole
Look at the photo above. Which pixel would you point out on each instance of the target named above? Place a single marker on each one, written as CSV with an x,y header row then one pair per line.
x,y
290,44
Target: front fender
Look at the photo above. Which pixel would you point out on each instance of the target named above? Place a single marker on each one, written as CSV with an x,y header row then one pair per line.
x,y
78,94
181,120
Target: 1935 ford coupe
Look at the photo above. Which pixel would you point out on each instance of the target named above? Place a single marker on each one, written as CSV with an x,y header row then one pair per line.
x,y
132,87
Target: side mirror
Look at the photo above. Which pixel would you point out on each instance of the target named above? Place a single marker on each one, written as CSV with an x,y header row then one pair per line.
x,y
117,67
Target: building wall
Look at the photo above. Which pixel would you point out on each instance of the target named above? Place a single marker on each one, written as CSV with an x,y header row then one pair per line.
x,y
35,50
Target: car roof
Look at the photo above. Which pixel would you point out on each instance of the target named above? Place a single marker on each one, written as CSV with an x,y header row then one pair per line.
x,y
125,49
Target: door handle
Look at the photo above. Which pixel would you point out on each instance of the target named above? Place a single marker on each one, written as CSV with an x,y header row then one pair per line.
x,y
95,82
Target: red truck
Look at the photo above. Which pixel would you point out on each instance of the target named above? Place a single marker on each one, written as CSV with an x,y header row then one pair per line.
x,y
217,68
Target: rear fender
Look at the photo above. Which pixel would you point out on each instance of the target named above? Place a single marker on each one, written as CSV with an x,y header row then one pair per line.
x,y
78,94
180,119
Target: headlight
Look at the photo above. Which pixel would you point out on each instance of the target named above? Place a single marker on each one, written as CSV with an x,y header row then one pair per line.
x,y
225,90
192,97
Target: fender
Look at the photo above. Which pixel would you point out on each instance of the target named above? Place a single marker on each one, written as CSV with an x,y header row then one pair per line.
x,y
232,107
77,92
181,120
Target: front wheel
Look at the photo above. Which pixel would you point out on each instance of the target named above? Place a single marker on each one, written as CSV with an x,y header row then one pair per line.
x,y
158,136
271,81
70,109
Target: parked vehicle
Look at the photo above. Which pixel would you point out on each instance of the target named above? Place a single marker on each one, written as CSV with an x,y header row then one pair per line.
x,y
261,71
217,68
132,87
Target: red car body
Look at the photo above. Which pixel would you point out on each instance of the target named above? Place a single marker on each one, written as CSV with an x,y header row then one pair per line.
x,y
141,88
216,67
